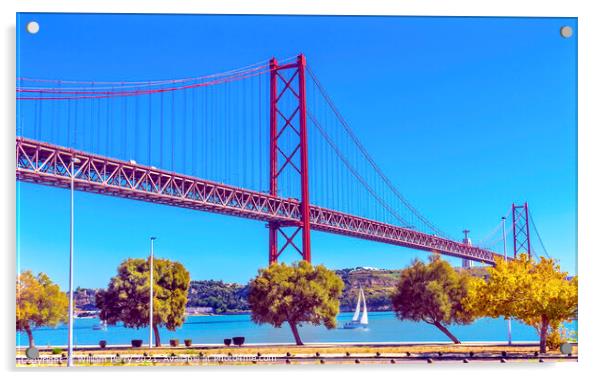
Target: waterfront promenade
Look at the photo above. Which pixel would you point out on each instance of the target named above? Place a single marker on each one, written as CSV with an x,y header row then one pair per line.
x,y
322,353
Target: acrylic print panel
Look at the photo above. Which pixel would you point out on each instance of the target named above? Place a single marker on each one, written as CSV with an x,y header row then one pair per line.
x,y
297,189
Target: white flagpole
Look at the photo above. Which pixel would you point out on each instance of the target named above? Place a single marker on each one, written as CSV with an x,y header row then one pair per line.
x,y
151,282
506,259
74,161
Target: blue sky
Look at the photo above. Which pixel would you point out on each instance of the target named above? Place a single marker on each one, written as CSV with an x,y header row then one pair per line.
x,y
465,115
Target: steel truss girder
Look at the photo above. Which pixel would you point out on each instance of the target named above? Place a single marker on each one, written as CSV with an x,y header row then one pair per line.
x,y
48,164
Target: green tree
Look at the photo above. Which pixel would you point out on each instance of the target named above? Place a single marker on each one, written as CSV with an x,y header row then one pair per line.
x,y
40,302
128,294
537,293
432,293
300,293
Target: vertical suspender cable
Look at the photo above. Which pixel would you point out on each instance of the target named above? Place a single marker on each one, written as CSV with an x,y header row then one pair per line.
x,y
75,123
136,127
194,130
150,130
125,128
205,133
184,129
98,127
260,130
109,107
69,140
91,129
173,128
161,134
244,117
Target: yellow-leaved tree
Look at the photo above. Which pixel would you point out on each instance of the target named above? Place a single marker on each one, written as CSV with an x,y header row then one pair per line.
x,y
40,302
535,292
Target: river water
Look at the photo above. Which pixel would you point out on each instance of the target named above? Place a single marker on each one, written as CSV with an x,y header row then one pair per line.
x,y
383,327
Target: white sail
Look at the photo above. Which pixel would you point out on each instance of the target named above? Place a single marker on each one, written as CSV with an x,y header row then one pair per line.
x,y
364,320
356,315
358,322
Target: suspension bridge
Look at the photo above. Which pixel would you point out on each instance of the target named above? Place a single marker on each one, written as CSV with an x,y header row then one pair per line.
x,y
263,142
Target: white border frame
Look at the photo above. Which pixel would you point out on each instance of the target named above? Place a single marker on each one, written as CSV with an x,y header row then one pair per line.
x,y
589,153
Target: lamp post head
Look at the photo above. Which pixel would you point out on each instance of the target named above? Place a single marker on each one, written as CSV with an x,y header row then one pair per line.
x,y
76,160
153,238
503,218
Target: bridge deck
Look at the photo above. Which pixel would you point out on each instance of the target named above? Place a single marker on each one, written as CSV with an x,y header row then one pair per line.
x,y
48,164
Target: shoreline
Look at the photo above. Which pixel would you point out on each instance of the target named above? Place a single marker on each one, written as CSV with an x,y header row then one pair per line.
x,y
245,312
441,343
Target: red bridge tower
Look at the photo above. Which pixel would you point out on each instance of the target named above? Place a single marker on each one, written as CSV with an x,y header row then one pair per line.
x,y
288,120
520,229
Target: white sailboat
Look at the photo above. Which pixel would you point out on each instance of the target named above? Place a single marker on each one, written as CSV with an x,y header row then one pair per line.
x,y
357,321
100,326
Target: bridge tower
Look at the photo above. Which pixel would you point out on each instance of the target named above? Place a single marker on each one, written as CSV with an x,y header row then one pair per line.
x,y
466,263
520,229
288,120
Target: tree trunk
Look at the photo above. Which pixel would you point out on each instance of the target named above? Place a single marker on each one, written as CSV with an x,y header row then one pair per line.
x,y
295,333
30,336
446,332
543,335
157,337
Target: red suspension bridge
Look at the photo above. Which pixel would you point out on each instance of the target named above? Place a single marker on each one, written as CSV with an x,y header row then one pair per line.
x,y
263,142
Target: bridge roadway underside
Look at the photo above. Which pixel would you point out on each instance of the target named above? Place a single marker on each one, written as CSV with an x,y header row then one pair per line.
x,y
49,164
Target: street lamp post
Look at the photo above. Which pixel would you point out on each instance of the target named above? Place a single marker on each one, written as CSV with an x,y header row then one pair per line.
x,y
74,161
506,259
150,314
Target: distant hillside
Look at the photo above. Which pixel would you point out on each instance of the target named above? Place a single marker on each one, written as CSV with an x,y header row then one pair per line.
x,y
85,302
207,296
220,296
377,284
